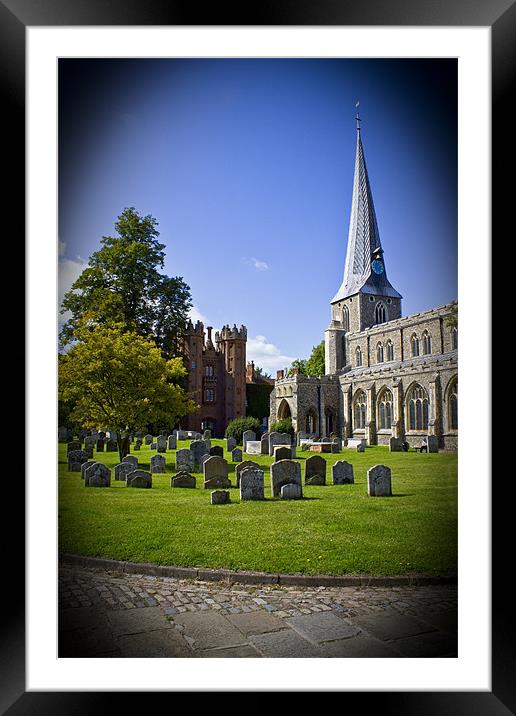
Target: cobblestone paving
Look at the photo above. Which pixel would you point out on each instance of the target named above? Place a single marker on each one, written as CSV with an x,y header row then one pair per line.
x,y
87,590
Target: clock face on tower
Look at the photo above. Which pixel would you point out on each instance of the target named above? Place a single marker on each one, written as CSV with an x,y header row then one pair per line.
x,y
377,266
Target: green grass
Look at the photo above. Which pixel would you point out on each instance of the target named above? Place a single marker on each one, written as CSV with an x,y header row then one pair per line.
x,y
333,530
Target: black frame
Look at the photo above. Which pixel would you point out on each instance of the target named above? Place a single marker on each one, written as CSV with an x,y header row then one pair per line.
x,y
500,16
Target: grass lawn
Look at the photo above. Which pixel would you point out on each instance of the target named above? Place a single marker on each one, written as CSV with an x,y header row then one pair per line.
x,y
333,530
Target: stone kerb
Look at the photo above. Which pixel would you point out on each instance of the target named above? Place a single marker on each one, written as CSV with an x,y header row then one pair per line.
x,y
97,475
342,473
379,481
215,472
252,484
242,466
185,460
315,470
253,447
284,472
157,464
139,478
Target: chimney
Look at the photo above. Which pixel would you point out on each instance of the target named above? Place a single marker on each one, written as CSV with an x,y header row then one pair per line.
x,y
280,374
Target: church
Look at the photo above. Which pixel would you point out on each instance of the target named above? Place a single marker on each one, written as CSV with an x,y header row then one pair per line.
x,y
386,375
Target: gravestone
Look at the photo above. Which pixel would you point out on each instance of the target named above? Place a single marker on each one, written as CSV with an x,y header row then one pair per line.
x,y
172,442
291,491
219,497
198,448
122,469
88,449
242,466
379,481
215,472
395,445
315,470
336,445
111,446
76,459
100,445
342,473
360,448
354,442
97,475
253,447
432,442
264,442
236,455
132,459
217,451
154,446
206,435
62,434
139,478
102,434
161,443
301,436
284,472
231,444
182,479
185,460
85,466
247,435
157,463
137,445
90,441
203,459
148,439
278,439
73,446
282,452
252,484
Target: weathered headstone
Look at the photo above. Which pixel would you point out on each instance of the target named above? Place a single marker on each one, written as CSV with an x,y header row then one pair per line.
x,y
62,434
111,446
236,455
342,473
185,460
75,460
215,472
172,442
242,466
219,497
198,448
157,463
284,472
291,491
182,479
132,459
217,450
122,469
432,442
148,439
101,444
278,439
88,449
161,443
73,446
282,452
139,478
97,475
206,435
379,481
85,466
360,448
231,444
264,444
137,445
252,484
154,446
315,470
90,441
336,445
203,459
395,445
247,435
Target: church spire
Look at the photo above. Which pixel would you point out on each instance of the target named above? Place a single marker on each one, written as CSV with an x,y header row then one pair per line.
x,y
364,270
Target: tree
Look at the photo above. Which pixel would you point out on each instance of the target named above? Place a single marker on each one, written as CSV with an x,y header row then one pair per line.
x,y
122,284
237,427
452,319
300,364
315,364
117,379
260,373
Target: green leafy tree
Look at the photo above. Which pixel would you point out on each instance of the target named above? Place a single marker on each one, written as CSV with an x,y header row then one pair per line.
x,y
236,428
122,284
300,364
260,373
117,379
282,426
315,364
452,319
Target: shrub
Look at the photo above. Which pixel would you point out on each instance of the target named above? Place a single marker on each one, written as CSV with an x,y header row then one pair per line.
x,y
282,426
236,428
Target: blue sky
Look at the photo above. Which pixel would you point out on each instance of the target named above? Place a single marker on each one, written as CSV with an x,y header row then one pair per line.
x,y
247,165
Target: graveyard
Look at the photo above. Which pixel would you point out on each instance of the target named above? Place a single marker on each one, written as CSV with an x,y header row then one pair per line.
x,y
331,529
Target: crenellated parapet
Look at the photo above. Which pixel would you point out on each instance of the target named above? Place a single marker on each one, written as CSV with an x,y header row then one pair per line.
x,y
228,334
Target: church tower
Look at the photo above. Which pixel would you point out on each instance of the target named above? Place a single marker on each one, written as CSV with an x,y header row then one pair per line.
x,y
365,297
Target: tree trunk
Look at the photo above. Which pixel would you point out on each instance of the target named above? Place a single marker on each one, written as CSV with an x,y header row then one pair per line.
x,y
124,444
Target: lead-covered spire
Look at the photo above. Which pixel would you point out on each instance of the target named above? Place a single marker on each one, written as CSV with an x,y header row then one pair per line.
x,y
364,270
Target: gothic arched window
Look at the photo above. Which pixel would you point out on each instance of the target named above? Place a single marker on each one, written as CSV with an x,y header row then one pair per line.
x,y
345,318
414,346
311,421
390,350
427,343
379,353
417,406
359,410
380,313
454,338
358,356
453,406
385,410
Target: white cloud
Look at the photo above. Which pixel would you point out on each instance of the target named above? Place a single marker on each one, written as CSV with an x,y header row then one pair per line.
x,y
258,264
266,355
61,247
195,315
68,272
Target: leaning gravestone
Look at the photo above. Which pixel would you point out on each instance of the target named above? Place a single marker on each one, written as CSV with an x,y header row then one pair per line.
x,y
291,491
157,463
219,497
97,475
185,460
284,472
215,472
242,466
85,466
148,439
282,452
252,484
75,460
73,446
236,455
315,470
161,443
198,449
231,444
122,469
379,481
342,473
182,479
139,478
247,435
217,451
132,459
172,442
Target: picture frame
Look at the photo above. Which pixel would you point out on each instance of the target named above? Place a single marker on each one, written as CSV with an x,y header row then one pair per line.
x,y
15,17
